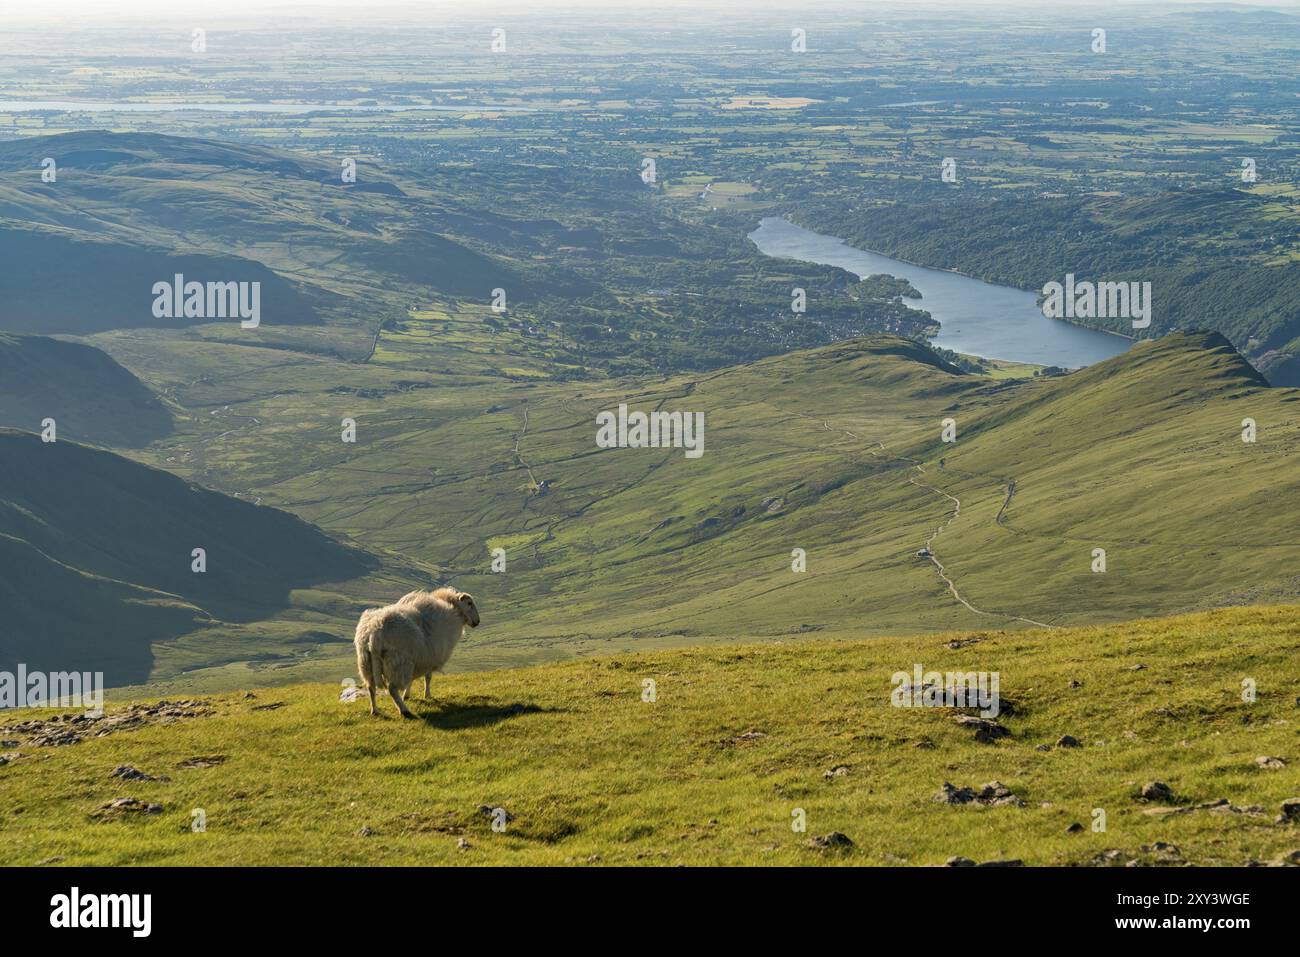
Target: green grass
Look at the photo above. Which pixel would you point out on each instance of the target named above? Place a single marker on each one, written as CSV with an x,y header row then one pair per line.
x,y
591,772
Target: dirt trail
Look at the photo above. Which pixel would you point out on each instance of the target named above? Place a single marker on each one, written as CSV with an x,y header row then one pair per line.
x,y
956,512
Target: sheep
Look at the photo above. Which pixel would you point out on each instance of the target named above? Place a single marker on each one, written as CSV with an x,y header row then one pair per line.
x,y
413,636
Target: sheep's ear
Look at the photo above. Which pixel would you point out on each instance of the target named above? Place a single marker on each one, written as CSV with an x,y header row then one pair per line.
x,y
462,596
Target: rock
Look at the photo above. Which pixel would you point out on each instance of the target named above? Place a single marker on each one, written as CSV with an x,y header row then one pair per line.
x,y
127,805
352,693
248,696
839,771
1068,741
1111,857
1075,683
834,840
1163,850
1291,811
1074,828
128,773
750,736
365,832
1043,747
993,794
1014,862
488,810
1157,791
9,745
1288,860
1138,667
959,862
986,730
463,844
205,761
1272,764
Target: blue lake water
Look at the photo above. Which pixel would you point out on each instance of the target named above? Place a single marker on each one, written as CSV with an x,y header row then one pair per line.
x,y
977,318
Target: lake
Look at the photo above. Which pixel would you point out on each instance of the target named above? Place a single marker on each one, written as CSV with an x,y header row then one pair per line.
x,y
976,317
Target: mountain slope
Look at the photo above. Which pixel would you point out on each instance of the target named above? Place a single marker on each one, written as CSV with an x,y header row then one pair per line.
x,y
835,451
714,768
98,558
90,397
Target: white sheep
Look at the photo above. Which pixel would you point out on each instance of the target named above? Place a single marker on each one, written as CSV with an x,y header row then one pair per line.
x,y
413,636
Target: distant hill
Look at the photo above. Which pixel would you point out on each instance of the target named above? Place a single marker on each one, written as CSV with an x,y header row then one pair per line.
x,y
131,209
90,397
97,557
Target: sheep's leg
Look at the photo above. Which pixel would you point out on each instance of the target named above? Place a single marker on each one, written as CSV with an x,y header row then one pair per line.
x,y
371,689
395,690
427,695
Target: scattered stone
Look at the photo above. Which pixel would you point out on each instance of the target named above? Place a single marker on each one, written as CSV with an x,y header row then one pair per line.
x,y
1075,683
1157,791
1288,860
463,844
11,756
8,745
1111,857
57,859
205,761
1013,862
1272,764
993,794
269,707
750,736
1221,806
834,840
986,730
1075,828
924,744
1164,851
248,696
1138,667
839,771
365,832
62,729
128,773
1043,747
959,862
1290,811
1068,741
352,693
126,805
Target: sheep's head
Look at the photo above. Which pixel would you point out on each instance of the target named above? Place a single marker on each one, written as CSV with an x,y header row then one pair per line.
x,y
464,603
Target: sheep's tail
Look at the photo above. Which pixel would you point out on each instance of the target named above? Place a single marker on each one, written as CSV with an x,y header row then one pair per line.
x,y
369,663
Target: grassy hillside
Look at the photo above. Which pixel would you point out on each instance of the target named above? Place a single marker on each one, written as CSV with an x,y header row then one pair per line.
x,y
90,397
713,769
835,451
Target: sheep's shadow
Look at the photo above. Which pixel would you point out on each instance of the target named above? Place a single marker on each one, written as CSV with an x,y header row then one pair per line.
x,y
454,715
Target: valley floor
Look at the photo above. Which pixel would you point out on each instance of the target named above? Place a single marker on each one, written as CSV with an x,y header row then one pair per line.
x,y
706,756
